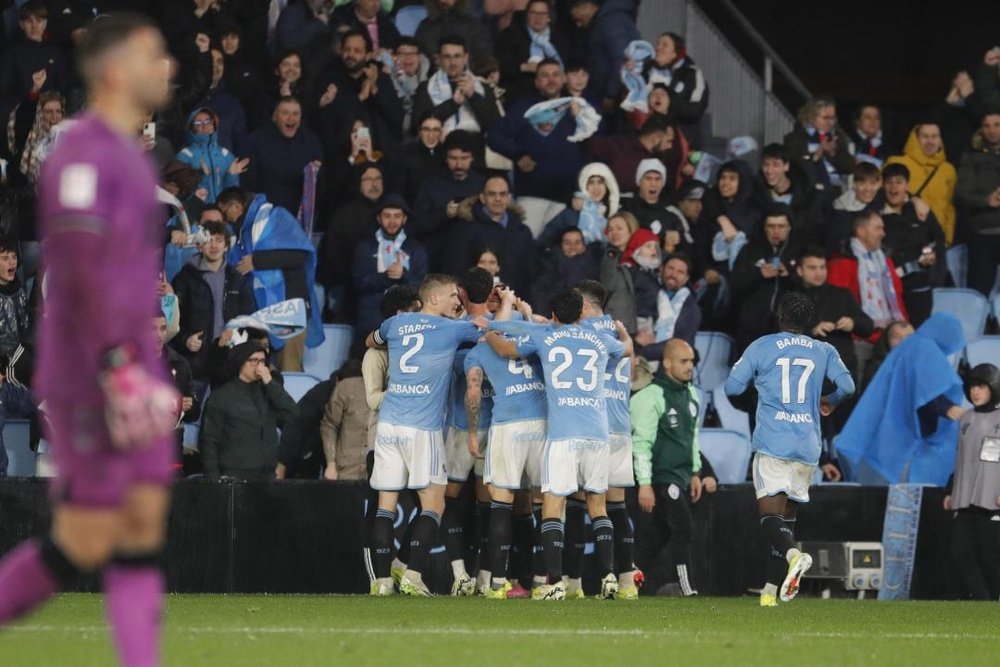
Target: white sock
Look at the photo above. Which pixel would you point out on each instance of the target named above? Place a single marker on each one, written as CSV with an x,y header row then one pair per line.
x,y
791,554
540,580
498,582
458,569
770,589
573,584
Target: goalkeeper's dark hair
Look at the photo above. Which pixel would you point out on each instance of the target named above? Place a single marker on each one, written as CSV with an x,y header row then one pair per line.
x,y
592,291
795,312
567,306
397,298
477,283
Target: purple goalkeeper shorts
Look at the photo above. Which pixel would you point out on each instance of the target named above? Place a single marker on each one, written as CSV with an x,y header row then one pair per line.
x,y
89,470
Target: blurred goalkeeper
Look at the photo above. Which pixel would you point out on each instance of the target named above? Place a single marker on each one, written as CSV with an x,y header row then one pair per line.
x,y
111,409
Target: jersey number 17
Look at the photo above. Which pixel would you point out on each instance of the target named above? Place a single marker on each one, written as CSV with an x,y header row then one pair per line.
x,y
786,364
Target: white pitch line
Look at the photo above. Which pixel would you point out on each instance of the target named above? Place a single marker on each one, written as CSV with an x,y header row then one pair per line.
x,y
566,632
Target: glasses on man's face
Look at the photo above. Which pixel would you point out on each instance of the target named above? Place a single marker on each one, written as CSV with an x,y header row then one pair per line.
x,y
254,361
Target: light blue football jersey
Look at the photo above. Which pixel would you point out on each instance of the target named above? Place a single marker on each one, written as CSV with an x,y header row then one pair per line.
x,y
574,360
518,388
421,354
617,379
788,371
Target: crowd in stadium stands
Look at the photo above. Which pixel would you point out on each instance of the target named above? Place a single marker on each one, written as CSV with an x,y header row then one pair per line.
x,y
328,150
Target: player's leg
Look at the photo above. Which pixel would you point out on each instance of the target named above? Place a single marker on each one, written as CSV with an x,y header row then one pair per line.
x,y
676,507
382,542
426,528
540,575
777,540
521,559
552,537
133,578
624,542
482,522
604,543
798,561
576,542
459,465
500,538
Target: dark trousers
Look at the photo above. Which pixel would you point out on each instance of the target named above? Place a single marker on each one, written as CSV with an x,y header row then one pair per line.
x,y
975,552
669,523
984,256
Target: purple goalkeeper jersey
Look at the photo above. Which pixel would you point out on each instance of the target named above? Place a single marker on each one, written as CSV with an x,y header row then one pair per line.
x,y
97,214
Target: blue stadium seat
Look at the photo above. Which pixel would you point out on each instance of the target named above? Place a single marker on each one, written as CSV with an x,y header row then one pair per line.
x,y
995,300
17,442
730,418
191,435
714,349
704,399
728,452
958,264
408,18
985,349
968,305
298,384
323,360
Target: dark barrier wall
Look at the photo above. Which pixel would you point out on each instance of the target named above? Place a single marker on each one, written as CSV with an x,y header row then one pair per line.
x,y
305,537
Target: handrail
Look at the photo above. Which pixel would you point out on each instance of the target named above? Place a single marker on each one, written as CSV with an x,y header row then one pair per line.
x,y
769,53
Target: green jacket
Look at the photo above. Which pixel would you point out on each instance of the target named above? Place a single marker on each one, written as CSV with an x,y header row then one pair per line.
x,y
239,430
665,432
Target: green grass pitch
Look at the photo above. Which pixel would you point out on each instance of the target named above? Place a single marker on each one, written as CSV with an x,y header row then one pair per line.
x,y
298,631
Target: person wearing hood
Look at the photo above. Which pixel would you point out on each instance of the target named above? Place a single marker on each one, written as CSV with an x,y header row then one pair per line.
x,y
761,274
220,169
731,215
239,430
819,143
211,292
643,260
685,83
596,200
783,180
385,258
978,192
567,265
904,428
973,493
522,45
452,17
932,177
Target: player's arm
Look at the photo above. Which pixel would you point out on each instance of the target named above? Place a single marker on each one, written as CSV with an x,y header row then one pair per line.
x,y
628,347
379,337
837,373
373,372
740,376
507,301
502,345
473,402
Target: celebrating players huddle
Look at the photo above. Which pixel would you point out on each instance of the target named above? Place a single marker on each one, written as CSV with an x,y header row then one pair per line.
x,y
541,405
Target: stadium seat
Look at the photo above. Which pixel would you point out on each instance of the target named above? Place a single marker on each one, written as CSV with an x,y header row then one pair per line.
x,y
704,399
958,264
298,384
323,360
968,305
713,349
728,452
17,442
191,435
730,418
985,349
408,18
995,300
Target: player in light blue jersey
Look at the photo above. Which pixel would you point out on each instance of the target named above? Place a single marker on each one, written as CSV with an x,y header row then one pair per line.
x,y
516,440
409,443
788,369
574,360
617,391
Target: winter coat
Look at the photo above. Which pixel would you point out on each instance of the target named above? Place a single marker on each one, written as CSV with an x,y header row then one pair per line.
x,y
978,177
933,179
344,429
513,48
797,143
231,128
429,222
370,285
617,280
840,225
609,33
831,304
622,154
277,163
388,36
906,236
473,229
559,274
301,447
16,402
24,58
348,225
202,152
808,221
15,317
570,217
743,209
842,271
418,162
688,92
456,21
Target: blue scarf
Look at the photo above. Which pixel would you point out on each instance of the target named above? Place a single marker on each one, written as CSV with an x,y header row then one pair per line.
x,y
541,46
637,98
269,227
544,117
591,221
389,250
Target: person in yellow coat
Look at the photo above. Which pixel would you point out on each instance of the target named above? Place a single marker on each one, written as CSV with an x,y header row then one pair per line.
x,y
932,177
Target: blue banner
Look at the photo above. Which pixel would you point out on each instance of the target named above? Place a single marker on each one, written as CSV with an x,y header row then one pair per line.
x,y
899,539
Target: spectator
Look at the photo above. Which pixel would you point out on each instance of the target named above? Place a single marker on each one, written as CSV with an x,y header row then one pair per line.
x,y
365,16
356,147
958,120
410,69
272,246
453,94
241,76
915,242
385,258
861,197
451,17
278,153
895,334
546,162
904,428
16,402
642,257
785,181
34,120
239,430
668,461
978,192
300,452
818,142
973,493
304,26
677,312
220,169
488,259
871,278
15,315
987,82
232,122
344,426
762,273
623,154
731,212
31,62
491,219
932,177
524,44
595,201
437,204
288,80
866,134
578,81
647,202
605,29
614,274
567,265
180,372
682,231
211,292
686,86
422,156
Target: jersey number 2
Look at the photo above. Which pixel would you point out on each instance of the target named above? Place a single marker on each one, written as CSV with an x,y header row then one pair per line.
x,y
786,378
418,343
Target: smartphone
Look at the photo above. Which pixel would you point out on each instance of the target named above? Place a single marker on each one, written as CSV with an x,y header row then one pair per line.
x,y
149,130
363,133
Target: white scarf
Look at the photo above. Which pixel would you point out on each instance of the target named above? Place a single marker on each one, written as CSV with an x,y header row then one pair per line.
x,y
389,250
878,294
668,310
541,46
440,91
